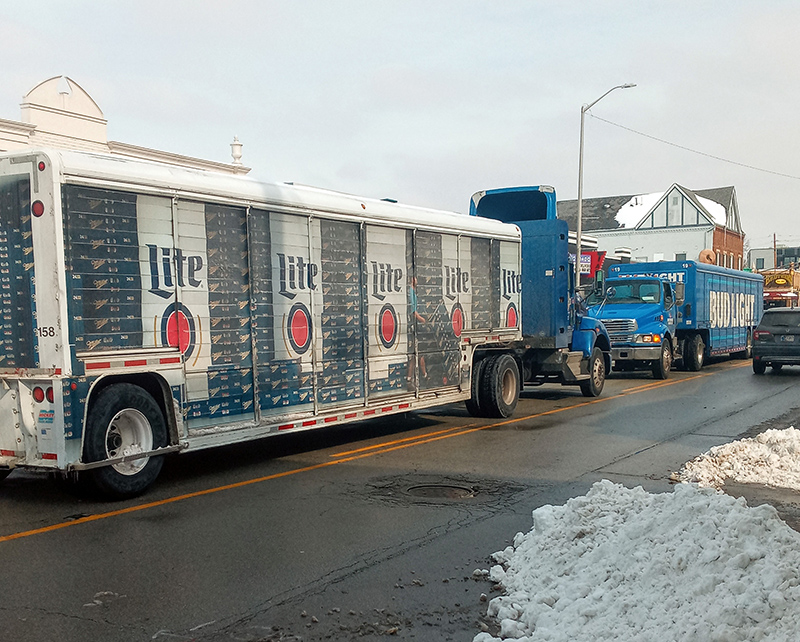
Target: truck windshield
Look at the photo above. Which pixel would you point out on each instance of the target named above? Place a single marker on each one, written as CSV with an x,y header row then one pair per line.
x,y
624,291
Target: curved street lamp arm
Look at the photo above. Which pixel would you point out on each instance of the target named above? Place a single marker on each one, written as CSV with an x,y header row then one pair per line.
x,y
579,227
627,85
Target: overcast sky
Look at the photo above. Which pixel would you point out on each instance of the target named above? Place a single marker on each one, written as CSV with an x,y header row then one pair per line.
x,y
429,101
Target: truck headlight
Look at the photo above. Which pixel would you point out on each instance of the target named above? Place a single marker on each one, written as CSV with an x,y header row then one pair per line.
x,y
648,338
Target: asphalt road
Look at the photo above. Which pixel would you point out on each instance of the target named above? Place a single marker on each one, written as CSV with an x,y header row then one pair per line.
x,y
356,533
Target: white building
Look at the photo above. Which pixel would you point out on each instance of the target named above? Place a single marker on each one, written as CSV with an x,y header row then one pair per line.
x,y
676,224
60,113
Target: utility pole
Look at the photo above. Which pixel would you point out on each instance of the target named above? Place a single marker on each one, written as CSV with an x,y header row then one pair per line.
x,y
774,252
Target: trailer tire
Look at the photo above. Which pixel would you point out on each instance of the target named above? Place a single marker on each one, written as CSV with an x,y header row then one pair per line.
x,y
593,386
695,353
499,386
662,366
759,367
123,419
473,403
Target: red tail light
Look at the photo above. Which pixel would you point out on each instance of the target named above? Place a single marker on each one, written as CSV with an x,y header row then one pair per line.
x,y
40,394
762,335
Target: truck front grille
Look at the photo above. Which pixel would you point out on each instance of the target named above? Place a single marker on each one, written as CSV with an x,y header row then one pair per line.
x,y
620,330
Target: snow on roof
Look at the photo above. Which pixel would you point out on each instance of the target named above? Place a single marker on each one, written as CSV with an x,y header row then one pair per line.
x,y
716,210
627,565
637,208
630,214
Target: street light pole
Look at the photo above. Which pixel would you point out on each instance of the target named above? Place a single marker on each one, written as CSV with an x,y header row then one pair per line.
x,y
579,229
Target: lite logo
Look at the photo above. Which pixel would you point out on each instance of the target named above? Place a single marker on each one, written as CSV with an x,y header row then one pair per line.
x,y
385,279
456,281
294,274
169,265
512,283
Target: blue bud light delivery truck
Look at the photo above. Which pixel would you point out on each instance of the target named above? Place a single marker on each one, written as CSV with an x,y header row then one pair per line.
x,y
661,313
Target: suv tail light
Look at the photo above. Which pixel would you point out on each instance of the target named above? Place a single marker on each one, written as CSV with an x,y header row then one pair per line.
x,y
762,335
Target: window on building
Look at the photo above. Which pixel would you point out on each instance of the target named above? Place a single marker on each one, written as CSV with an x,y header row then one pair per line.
x,y
674,213
680,256
759,264
718,258
659,217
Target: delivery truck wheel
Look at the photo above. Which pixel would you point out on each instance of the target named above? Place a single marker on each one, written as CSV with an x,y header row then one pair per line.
x,y
499,388
695,353
473,403
662,367
593,386
124,420
747,353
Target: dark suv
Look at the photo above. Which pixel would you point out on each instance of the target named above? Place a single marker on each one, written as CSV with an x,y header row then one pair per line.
x,y
776,340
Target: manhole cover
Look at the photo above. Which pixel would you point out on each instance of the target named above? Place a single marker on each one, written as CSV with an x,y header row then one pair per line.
x,y
441,491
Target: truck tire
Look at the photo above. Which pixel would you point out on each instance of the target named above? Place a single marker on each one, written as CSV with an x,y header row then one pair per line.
x,y
499,386
759,367
695,353
747,353
4,473
473,403
662,366
593,386
124,419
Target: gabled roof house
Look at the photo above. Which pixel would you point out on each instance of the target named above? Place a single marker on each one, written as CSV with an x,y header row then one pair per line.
x,y
676,224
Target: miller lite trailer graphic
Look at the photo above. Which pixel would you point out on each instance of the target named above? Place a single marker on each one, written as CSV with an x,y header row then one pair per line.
x,y
149,309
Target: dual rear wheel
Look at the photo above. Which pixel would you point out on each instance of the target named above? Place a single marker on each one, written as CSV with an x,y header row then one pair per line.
x,y
495,387
695,354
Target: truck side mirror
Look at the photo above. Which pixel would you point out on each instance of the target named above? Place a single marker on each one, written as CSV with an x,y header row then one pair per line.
x,y
599,281
680,293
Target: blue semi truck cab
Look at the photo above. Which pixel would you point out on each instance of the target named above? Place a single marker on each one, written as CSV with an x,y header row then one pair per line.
x,y
560,344
667,312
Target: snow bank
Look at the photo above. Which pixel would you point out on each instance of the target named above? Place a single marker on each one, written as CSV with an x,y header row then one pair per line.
x,y
772,458
624,564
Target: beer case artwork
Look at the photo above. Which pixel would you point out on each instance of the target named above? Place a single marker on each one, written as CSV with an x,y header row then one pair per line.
x,y
270,310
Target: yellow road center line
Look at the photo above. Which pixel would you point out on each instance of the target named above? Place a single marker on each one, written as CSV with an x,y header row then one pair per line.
x,y
340,458
399,441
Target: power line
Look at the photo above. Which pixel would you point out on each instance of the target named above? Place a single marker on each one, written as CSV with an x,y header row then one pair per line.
x,y
694,151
